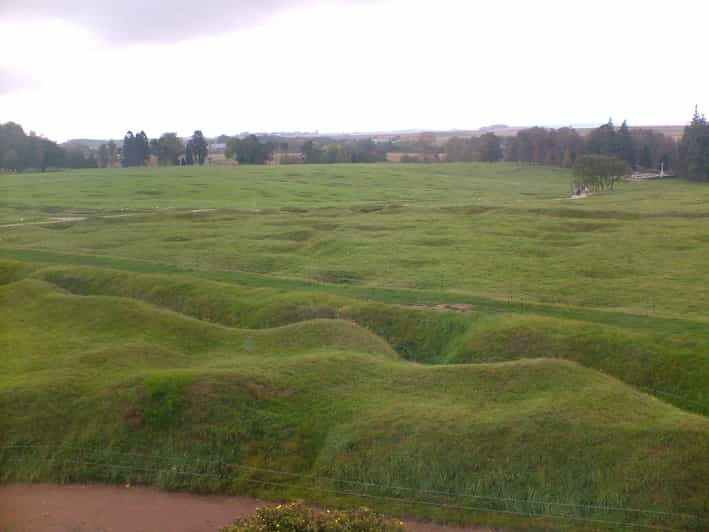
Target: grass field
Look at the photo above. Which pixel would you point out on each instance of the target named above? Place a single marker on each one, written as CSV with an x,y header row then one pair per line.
x,y
458,342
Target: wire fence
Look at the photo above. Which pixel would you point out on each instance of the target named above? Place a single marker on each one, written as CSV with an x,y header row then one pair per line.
x,y
287,480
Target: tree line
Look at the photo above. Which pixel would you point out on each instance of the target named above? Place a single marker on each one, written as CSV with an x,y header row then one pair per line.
x,y
638,148
24,152
20,151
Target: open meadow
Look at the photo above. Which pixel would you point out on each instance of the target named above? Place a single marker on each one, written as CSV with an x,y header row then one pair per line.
x,y
459,342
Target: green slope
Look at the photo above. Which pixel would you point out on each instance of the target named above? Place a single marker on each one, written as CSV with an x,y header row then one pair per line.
x,y
121,390
286,343
669,362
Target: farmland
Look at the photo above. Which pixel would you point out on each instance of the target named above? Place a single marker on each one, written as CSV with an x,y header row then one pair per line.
x,y
458,342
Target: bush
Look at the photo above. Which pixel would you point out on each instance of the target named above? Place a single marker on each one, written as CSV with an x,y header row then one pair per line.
x,y
296,517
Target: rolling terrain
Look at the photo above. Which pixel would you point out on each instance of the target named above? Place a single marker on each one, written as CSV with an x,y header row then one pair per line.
x,y
457,342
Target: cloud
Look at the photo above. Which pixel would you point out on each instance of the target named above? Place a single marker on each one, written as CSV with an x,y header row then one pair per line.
x,y
140,21
13,81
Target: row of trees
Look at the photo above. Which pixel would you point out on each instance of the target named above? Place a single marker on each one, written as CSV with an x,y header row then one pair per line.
x,y
353,151
19,151
636,148
252,150
168,150
486,148
639,148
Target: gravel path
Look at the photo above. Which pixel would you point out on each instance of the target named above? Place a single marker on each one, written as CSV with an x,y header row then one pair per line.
x,y
98,508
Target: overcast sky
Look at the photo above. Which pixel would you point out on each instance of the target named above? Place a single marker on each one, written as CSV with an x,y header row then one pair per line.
x,y
96,68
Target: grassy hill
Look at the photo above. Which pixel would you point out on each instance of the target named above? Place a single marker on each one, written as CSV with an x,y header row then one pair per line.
x,y
105,377
456,342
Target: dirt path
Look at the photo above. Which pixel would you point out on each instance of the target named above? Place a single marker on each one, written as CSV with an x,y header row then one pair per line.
x,y
97,508
53,221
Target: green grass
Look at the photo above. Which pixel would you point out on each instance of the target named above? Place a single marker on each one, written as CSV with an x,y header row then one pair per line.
x,y
503,232
285,344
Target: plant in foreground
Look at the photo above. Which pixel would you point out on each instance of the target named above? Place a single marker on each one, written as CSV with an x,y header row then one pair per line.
x,y
296,517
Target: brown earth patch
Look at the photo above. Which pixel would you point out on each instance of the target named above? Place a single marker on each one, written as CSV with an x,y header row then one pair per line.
x,y
98,508
448,307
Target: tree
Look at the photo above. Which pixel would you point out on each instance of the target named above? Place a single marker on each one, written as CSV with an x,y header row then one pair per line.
x,y
154,147
11,160
81,157
652,149
366,151
459,149
13,146
51,155
490,148
531,145
142,148
128,154
170,148
599,172
603,140
103,156
337,153
426,146
199,147
694,149
136,149
112,153
189,153
249,150
625,145
311,153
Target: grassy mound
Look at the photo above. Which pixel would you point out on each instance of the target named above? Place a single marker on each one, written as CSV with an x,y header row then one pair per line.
x,y
106,388
671,364
673,367
417,334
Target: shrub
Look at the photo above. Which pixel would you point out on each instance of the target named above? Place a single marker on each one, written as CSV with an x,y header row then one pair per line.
x,y
296,517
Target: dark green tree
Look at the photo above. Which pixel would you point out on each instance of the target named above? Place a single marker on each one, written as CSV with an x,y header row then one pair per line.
x,y
189,153
625,145
311,152
490,148
458,149
154,147
103,156
367,151
199,147
249,150
142,148
694,149
603,141
11,160
128,153
170,148
599,172
136,149
112,153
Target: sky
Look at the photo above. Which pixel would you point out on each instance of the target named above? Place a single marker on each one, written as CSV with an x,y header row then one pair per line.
x,y
97,68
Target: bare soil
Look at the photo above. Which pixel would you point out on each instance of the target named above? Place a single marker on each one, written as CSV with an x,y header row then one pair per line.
x,y
449,307
98,508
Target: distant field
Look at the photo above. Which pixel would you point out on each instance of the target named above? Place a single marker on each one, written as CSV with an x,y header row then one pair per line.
x,y
354,334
